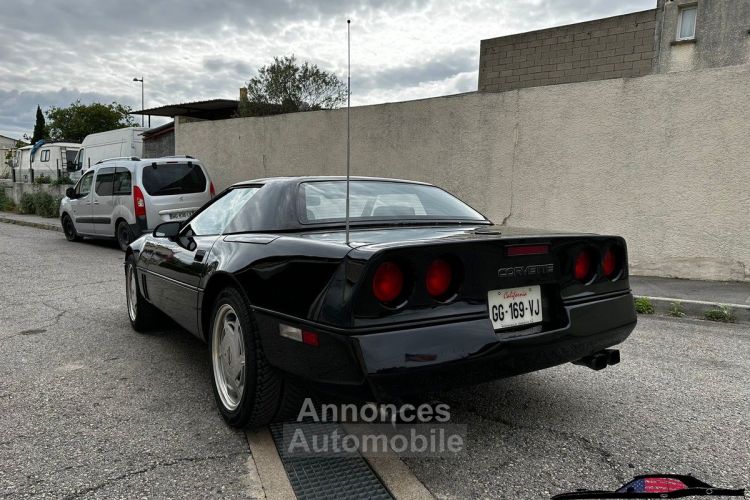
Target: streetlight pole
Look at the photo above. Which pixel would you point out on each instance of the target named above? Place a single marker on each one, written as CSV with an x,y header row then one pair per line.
x,y
143,118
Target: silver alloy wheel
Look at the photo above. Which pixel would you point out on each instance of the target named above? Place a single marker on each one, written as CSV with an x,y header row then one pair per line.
x,y
228,357
131,293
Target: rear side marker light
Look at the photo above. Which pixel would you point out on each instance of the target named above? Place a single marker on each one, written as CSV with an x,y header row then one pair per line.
x,y
583,266
212,190
439,278
516,250
388,282
299,335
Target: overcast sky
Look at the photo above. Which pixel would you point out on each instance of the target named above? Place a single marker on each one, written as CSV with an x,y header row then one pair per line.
x,y
54,52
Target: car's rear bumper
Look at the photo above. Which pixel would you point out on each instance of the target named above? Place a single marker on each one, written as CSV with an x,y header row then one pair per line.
x,y
428,358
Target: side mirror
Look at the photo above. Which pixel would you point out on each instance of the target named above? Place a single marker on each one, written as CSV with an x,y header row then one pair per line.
x,y
167,230
70,193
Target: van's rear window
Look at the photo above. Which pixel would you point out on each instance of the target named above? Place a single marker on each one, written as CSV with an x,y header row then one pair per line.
x,y
173,178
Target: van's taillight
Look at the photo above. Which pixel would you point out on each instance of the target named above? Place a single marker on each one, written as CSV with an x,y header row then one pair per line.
x,y
388,282
212,190
139,202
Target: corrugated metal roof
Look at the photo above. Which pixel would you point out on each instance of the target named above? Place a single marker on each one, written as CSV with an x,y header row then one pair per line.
x,y
212,109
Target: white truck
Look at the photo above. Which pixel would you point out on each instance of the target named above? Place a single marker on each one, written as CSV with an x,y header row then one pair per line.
x,y
119,143
52,160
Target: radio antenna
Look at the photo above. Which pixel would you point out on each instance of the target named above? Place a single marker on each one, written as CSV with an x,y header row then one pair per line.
x,y
348,113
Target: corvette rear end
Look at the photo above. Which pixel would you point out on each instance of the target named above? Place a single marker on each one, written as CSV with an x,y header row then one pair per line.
x,y
403,315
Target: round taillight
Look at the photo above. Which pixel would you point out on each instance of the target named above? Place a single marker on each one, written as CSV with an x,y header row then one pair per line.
x,y
609,263
388,282
583,266
439,278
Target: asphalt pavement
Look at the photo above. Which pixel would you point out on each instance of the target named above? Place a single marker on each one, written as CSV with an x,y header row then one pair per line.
x,y
91,409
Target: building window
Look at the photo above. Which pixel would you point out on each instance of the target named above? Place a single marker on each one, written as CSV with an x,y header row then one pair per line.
x,y
45,155
686,23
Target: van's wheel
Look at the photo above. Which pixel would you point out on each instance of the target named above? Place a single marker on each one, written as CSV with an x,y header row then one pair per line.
x,y
140,312
248,391
124,235
70,229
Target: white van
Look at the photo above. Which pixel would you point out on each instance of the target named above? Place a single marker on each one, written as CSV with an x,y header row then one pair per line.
x,y
53,160
118,143
123,198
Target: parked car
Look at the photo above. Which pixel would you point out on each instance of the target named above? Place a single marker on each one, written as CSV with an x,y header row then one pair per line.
x,y
425,293
123,198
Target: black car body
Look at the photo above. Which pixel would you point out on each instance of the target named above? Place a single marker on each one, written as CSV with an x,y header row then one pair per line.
x,y
320,320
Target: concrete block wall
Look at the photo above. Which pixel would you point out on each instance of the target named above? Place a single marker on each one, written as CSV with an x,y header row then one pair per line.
x,y
614,47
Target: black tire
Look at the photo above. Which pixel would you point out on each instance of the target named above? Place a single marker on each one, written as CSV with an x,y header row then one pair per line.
x,y
123,235
267,397
142,317
70,229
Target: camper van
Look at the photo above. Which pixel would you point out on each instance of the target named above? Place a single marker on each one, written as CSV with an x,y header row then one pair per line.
x,y
53,160
119,143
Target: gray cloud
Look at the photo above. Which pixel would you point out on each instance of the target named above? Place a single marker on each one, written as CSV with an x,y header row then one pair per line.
x,y
439,68
54,52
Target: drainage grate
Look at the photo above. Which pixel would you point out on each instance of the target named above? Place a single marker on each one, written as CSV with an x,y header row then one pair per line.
x,y
325,477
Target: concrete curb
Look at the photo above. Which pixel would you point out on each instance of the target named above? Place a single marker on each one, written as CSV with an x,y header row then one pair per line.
x,y
697,308
38,225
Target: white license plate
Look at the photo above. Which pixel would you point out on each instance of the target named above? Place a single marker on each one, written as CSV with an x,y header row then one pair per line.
x,y
515,306
180,215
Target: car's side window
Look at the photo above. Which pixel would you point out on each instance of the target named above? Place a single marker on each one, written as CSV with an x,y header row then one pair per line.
x,y
84,187
123,181
214,219
104,181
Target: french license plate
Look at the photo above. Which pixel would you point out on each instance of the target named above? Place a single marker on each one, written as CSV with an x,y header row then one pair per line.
x,y
180,215
515,306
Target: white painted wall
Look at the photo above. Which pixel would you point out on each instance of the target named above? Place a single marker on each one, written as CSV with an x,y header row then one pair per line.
x,y
663,160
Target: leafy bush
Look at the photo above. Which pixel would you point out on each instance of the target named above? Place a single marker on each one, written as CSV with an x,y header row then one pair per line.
x,y
723,314
644,306
46,205
28,203
676,310
6,204
43,204
43,179
63,181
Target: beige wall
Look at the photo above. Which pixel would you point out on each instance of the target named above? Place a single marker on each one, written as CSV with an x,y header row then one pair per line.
x,y
663,160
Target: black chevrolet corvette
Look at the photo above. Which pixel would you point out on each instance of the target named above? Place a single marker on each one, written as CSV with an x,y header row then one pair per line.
x,y
424,294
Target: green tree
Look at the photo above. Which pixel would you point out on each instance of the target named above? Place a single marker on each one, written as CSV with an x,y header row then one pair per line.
x,y
288,87
40,127
79,120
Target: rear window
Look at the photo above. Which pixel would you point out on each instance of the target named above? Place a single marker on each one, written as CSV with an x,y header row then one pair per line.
x,y
162,179
325,201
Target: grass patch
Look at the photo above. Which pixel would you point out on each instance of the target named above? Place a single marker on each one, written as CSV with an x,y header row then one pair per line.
x,y
676,310
722,314
643,305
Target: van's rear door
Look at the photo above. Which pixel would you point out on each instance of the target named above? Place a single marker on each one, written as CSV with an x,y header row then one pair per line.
x,y
173,190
